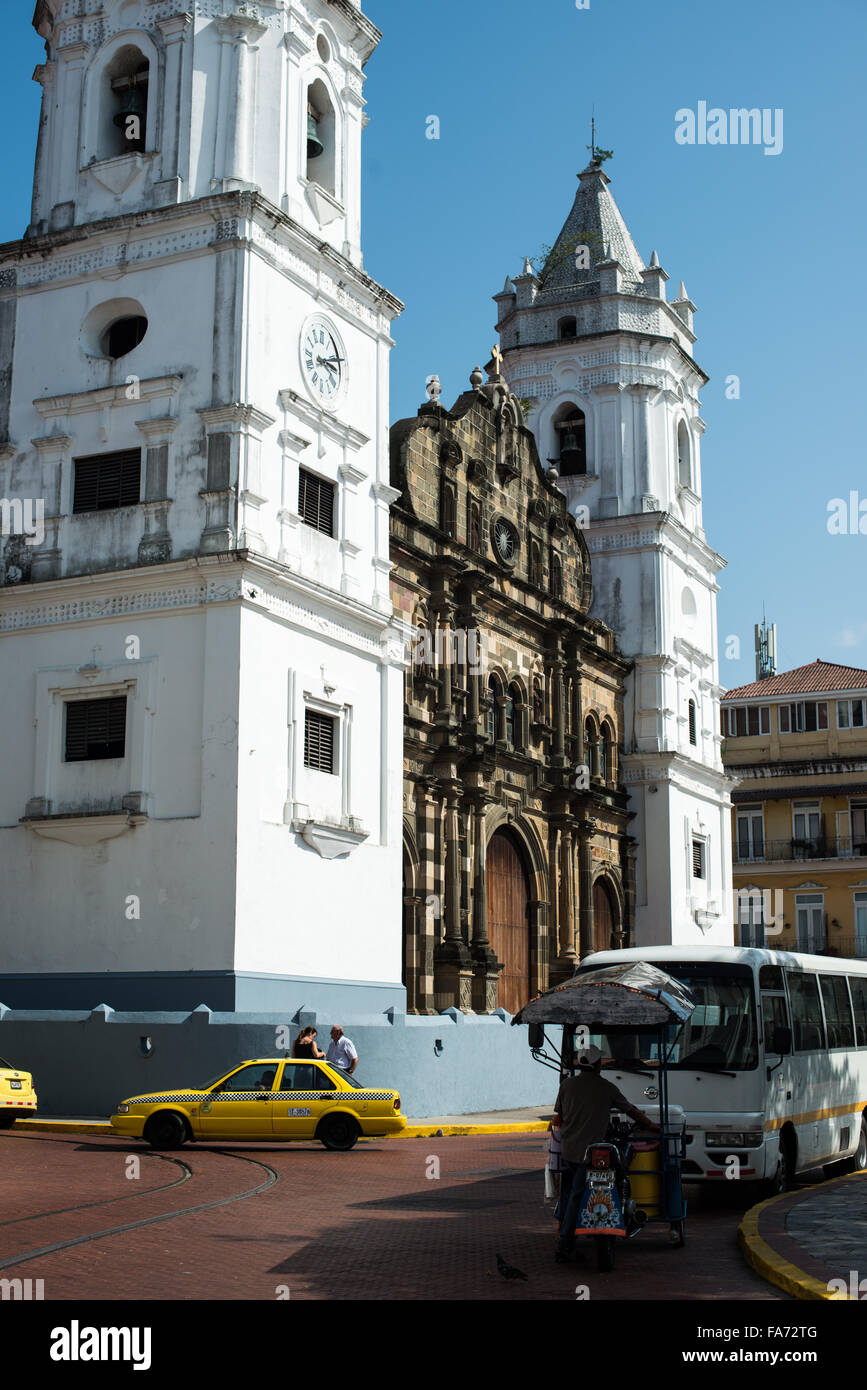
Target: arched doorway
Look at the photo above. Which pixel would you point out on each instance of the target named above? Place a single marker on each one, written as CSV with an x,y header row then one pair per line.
x,y
508,893
603,916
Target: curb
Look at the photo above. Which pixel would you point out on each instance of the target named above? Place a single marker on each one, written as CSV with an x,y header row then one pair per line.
x,y
767,1262
422,1131
418,1131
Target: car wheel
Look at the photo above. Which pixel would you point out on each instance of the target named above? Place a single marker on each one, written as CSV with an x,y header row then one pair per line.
x,y
7,1120
166,1130
338,1132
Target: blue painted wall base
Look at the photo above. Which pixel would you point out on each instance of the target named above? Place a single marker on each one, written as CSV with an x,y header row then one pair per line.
x,y
85,1061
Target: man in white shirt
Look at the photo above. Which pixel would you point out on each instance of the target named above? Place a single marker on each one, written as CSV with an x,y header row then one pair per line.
x,y
341,1052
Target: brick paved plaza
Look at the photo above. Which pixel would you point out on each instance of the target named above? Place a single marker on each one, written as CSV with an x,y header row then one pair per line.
x,y
369,1224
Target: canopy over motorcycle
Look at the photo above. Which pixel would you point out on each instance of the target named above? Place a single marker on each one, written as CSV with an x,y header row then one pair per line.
x,y
618,1000
617,997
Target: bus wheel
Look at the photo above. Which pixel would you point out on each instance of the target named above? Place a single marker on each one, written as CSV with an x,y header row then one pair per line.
x,y
782,1177
859,1157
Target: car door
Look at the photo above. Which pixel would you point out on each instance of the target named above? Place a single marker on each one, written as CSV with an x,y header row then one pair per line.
x,y
306,1093
241,1105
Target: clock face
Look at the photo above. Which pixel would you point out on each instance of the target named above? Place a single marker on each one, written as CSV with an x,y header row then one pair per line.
x,y
323,361
505,541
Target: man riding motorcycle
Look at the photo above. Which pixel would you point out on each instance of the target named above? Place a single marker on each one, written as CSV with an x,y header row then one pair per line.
x,y
581,1113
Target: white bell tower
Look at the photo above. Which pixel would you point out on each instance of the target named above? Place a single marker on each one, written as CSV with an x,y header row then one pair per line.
x,y
201,795
606,362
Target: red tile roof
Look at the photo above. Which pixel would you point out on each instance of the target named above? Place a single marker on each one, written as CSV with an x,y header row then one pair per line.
x,y
819,677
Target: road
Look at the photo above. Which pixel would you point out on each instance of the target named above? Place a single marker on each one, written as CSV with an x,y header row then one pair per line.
x,y
267,1221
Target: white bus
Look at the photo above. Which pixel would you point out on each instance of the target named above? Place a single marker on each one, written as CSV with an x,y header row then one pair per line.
x,y
771,1069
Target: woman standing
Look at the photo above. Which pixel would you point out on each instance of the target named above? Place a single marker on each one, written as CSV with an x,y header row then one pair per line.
x,y
305,1045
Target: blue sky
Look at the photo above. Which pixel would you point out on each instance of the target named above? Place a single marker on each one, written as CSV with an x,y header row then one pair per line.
x,y
770,246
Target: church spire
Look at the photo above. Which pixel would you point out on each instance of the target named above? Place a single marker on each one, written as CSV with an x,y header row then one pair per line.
x,y
594,222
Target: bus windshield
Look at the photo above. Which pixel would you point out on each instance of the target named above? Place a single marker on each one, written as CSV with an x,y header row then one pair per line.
x,y
720,1035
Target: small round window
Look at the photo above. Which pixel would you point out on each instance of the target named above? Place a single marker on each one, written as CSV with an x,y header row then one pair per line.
x,y
123,335
114,328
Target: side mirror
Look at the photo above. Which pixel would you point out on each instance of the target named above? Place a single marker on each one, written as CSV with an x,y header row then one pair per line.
x,y
782,1041
536,1035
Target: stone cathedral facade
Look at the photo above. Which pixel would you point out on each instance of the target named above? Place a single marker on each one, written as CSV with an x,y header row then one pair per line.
x,y
517,850
606,362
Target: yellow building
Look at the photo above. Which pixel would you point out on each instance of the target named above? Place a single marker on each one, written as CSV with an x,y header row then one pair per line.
x,y
797,745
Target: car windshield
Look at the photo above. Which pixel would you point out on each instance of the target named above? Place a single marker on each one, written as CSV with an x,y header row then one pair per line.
x,y
719,1036
6,1066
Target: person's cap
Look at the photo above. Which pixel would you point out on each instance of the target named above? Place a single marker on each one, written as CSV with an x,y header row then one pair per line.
x,y
589,1056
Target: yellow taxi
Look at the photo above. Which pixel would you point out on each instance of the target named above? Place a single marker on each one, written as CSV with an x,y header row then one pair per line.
x,y
267,1099
17,1096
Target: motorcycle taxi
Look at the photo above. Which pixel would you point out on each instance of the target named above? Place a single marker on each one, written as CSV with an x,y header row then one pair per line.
x,y
633,1178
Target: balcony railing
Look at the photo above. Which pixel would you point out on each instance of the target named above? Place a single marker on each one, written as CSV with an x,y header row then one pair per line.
x,y
820,847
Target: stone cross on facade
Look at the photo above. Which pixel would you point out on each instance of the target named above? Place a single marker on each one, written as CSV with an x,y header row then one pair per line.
x,y
497,355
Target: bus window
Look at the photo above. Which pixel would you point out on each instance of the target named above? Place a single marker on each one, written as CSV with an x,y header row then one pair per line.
x,y
807,1026
858,985
771,977
838,1013
774,1015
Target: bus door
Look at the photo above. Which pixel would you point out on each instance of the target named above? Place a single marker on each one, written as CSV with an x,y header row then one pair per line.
x,y
810,1068
779,1089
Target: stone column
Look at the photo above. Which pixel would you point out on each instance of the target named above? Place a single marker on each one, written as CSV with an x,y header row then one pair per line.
x,y
559,754
585,887
67,159
45,74
54,452
241,31
453,983
486,968
568,954
174,31
445,642
156,542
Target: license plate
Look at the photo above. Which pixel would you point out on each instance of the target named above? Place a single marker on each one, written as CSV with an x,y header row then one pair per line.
x,y
602,1175
15,1085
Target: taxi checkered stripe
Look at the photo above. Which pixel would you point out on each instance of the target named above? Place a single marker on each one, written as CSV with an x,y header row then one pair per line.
x,y
183,1096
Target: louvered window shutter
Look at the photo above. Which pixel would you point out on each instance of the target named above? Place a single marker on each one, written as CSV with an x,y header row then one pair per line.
x,y
318,741
105,481
316,502
95,729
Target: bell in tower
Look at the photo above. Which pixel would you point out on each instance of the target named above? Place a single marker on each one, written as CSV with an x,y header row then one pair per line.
x,y
131,119
573,444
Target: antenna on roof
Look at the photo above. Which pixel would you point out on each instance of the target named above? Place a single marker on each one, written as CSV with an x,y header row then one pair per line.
x,y
766,649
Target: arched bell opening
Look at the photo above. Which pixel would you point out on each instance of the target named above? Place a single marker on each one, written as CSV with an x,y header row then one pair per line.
x,y
123,104
321,137
571,430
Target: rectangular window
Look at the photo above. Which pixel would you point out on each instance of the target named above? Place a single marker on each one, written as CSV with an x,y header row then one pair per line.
x,y
860,915
810,922
95,729
316,502
758,719
319,741
858,823
851,714
807,829
750,833
807,1027
698,859
858,986
807,716
104,481
838,1012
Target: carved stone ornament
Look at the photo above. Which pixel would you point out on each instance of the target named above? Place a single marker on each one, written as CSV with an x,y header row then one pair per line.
x,y
451,453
